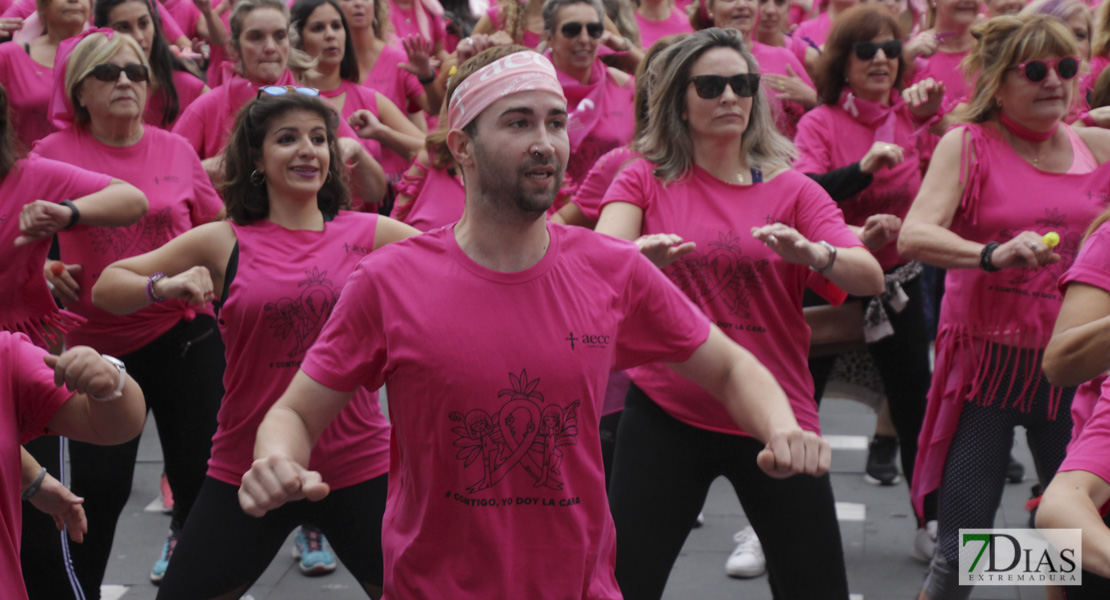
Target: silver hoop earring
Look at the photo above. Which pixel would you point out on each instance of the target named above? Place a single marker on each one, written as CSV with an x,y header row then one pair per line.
x,y
257,179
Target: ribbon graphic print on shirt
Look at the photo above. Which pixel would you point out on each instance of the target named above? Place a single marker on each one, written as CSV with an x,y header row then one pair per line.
x,y
525,431
722,270
152,231
302,318
1067,249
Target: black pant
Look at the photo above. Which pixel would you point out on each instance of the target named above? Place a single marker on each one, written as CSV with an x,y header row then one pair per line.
x,y
661,475
902,360
223,550
181,374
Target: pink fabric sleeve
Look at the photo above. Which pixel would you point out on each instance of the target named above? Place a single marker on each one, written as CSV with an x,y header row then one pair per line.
x,y
190,125
410,185
658,319
1092,265
21,9
629,186
812,143
1091,451
819,218
593,188
169,24
35,391
206,202
350,351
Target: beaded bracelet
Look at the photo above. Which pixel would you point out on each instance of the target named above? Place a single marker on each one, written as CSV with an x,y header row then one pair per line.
x,y
985,257
150,295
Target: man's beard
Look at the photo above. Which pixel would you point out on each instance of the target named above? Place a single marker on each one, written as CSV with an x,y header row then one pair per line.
x,y
504,190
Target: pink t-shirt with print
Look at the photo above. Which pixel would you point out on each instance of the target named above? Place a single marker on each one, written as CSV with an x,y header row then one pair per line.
x,y
28,401
285,287
1091,267
26,305
750,292
829,138
29,86
181,196
496,383
652,31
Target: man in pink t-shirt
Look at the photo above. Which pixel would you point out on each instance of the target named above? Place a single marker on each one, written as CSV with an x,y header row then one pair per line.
x,y
33,403
496,337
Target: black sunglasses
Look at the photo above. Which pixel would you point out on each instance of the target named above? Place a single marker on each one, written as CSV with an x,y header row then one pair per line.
x,y
1036,70
573,28
712,86
868,50
109,72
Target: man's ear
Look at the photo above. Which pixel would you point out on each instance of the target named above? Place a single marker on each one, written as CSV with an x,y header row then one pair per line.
x,y
461,147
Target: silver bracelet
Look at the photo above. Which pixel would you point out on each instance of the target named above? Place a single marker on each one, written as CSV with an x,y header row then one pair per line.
x,y
35,485
832,258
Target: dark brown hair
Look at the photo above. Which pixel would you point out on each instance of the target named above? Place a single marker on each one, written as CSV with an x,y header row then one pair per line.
x,y
8,149
858,24
247,202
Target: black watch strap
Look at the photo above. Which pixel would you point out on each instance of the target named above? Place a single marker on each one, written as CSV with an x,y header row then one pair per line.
x,y
75,217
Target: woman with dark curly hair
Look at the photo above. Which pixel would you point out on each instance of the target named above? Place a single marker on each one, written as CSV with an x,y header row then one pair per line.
x,y
277,268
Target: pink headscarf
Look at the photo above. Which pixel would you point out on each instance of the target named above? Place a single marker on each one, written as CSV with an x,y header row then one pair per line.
x,y
512,74
61,107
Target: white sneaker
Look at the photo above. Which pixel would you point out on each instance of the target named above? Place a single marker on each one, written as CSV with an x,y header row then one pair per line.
x,y
698,522
925,542
747,559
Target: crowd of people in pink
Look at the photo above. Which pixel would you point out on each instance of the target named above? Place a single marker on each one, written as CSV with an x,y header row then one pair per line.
x,y
587,253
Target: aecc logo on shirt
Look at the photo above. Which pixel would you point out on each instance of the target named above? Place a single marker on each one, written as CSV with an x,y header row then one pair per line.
x,y
595,342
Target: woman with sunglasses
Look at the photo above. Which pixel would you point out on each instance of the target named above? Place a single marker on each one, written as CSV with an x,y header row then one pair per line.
x,y
277,267
173,350
715,185
27,70
1005,230
368,23
322,33
599,98
1076,17
785,80
172,86
864,123
260,41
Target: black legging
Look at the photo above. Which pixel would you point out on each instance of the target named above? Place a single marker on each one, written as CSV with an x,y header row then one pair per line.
x,y
181,375
223,550
661,475
902,360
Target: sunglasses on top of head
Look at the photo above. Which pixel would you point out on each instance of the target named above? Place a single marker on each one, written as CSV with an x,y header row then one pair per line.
x,y
573,28
709,87
868,50
109,72
1036,70
281,90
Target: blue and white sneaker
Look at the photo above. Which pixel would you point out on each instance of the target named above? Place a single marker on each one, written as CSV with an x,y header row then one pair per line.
x,y
163,562
311,548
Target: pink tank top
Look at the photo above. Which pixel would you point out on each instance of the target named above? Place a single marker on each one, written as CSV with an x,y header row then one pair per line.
x,y
283,291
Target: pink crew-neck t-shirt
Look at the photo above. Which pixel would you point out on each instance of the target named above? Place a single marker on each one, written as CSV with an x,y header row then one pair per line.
x,y
286,284
189,88
652,31
1089,449
28,402
814,31
207,122
743,286
185,13
614,123
529,38
829,138
26,305
945,67
1091,267
592,190
496,382
773,59
438,198
29,86
393,82
165,167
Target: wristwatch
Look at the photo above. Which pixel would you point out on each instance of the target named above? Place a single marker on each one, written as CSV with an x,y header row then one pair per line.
x,y
122,379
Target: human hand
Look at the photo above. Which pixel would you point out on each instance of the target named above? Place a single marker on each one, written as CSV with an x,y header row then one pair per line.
x,y
791,245
41,219
84,371
792,87
924,44
275,480
881,155
1027,249
880,230
616,43
10,25
662,249
365,124
204,6
793,452
60,277
924,97
419,51
64,506
193,286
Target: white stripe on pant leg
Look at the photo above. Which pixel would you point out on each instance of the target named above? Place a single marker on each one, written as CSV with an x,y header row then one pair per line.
x,y
78,592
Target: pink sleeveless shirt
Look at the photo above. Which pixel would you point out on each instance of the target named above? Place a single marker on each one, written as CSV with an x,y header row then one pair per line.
x,y
285,287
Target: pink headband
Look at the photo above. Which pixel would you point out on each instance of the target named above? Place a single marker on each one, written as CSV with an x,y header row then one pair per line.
x,y
512,74
61,106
